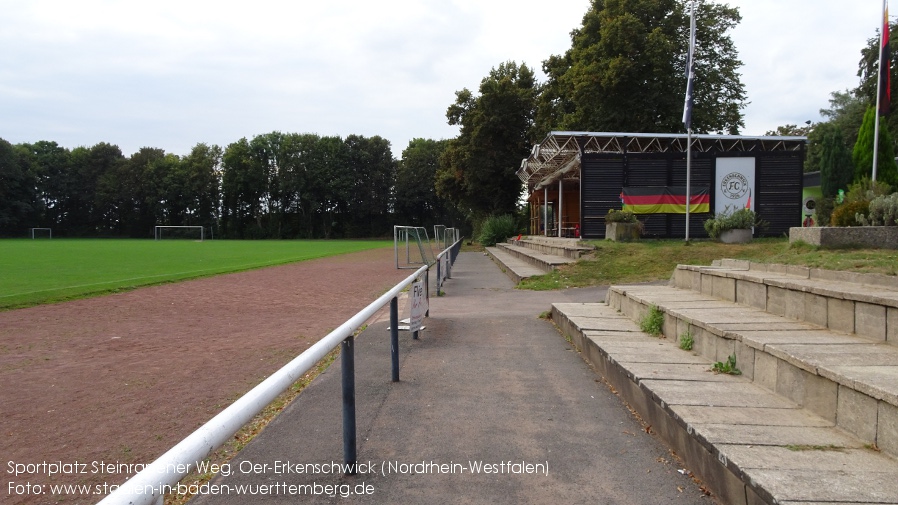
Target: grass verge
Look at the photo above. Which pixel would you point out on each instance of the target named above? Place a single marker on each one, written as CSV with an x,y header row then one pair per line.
x,y
653,260
249,431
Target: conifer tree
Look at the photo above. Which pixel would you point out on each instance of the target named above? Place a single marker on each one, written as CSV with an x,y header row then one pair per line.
x,y
886,169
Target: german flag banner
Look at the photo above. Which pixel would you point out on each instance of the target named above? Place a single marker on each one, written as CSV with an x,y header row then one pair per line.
x,y
665,200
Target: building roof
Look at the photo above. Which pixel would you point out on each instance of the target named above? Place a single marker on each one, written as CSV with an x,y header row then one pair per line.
x,y
558,155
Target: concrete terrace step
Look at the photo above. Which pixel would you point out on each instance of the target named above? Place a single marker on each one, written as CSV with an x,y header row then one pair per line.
x,y
543,261
747,443
865,304
565,247
513,266
848,380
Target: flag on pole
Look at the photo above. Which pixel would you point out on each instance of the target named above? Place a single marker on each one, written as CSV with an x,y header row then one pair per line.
x,y
690,71
885,64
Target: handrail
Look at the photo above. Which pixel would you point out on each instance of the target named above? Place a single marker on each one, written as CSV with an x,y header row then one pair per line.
x,y
444,270
147,485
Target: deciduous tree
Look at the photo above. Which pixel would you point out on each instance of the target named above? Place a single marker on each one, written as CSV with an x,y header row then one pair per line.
x,y
625,70
477,169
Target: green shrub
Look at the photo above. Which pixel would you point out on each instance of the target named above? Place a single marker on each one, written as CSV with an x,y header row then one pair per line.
x,y
883,211
620,216
740,219
865,189
824,210
687,341
496,229
652,322
728,368
846,214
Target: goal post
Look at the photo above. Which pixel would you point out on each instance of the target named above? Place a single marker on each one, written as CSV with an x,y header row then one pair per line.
x,y
416,245
179,232
40,233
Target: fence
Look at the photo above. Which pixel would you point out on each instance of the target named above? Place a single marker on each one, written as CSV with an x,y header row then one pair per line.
x,y
146,488
445,260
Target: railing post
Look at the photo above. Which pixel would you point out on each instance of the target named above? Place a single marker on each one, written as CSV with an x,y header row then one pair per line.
x,y
347,360
439,278
394,336
427,288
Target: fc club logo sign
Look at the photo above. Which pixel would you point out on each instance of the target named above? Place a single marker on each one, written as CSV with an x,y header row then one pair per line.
x,y
734,186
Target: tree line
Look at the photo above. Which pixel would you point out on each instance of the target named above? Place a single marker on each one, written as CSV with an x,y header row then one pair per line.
x,y
275,186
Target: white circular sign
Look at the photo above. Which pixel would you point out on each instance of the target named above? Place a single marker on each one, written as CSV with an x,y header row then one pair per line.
x,y
734,186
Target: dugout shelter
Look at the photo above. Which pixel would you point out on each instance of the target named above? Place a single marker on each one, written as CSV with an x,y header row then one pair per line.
x,y
574,178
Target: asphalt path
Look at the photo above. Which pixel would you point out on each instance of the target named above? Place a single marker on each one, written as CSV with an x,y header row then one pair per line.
x,y
493,406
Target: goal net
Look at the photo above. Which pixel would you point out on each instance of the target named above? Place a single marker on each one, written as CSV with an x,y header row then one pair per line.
x,y
412,247
40,233
180,232
444,237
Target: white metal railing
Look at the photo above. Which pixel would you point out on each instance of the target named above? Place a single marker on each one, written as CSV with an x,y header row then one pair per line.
x,y
149,485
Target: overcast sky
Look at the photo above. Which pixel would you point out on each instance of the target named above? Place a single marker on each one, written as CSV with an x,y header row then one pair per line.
x,y
171,74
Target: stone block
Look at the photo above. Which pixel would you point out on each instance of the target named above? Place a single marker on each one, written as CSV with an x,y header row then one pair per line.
x,y
745,360
752,497
815,309
705,343
724,288
707,284
682,278
776,300
765,370
892,325
758,267
735,264
798,271
683,327
632,309
727,486
870,320
669,326
857,414
878,237
753,294
887,429
696,281
725,348
821,396
795,308
840,315
790,382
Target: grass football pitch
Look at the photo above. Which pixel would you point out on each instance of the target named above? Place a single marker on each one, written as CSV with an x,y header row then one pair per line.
x,y
34,272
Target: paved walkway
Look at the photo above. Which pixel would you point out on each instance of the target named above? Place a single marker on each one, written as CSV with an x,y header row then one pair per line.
x,y
488,383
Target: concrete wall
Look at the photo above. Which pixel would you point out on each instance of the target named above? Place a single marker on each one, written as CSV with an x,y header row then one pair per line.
x,y
879,237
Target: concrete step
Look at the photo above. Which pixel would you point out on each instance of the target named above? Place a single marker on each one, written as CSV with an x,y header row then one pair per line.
x,y
564,247
748,444
864,304
513,266
543,261
848,380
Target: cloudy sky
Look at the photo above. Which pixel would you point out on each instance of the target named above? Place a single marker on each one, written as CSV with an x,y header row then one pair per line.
x,y
171,74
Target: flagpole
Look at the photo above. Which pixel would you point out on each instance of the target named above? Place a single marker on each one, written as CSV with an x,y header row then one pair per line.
x,y
882,39
688,177
687,113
